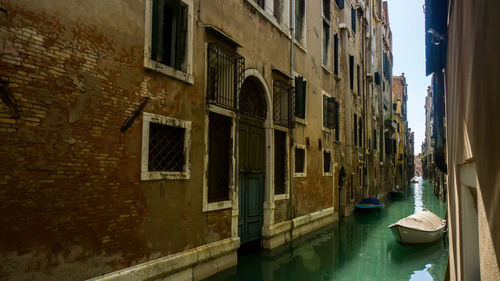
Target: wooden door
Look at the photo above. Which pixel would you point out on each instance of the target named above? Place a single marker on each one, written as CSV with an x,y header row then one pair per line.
x,y
251,162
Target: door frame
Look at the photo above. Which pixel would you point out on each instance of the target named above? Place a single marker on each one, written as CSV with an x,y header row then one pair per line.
x,y
268,204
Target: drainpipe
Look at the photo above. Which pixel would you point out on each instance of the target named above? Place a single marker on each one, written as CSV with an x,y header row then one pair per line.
x,y
290,171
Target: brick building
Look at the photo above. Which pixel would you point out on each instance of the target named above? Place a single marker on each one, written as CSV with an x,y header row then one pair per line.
x,y
144,139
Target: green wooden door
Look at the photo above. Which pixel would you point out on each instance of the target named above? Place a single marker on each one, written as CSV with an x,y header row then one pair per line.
x,y
251,162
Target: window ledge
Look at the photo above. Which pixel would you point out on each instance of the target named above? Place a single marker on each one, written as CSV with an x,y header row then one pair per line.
x,y
299,175
327,130
337,77
270,18
327,174
152,176
300,45
325,68
217,206
278,197
301,121
169,71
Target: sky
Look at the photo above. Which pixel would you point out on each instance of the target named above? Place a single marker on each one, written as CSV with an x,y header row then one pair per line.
x,y
406,18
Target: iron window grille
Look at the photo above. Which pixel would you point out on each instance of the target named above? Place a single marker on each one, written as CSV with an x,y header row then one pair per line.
x,y
284,104
300,157
166,148
280,158
327,159
219,157
225,76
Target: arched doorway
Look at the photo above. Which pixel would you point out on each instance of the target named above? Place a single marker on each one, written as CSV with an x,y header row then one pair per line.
x,y
251,160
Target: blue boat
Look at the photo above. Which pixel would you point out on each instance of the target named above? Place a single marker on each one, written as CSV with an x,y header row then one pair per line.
x,y
369,203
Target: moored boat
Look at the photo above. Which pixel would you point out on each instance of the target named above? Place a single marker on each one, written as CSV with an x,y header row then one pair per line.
x,y
420,228
414,180
369,203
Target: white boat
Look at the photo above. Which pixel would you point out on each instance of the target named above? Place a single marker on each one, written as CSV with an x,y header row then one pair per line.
x,y
420,228
414,180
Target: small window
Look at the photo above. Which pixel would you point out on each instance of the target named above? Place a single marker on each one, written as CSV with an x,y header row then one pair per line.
x,y
170,28
300,97
300,161
358,80
261,3
375,139
300,9
327,162
336,54
329,115
353,20
165,148
355,129
394,106
219,157
340,3
280,162
351,72
352,187
326,32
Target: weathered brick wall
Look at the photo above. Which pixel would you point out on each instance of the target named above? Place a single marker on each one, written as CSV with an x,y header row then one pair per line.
x,y
73,205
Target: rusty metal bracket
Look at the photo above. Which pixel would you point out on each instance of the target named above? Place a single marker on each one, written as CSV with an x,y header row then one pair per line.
x,y
136,113
9,100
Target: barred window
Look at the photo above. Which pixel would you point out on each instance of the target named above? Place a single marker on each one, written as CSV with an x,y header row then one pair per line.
x,y
329,112
219,157
165,146
224,76
300,159
327,161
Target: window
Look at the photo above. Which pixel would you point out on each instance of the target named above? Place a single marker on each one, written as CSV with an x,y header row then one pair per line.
x,y
219,157
261,3
165,147
336,54
326,32
357,80
375,139
394,106
360,134
340,3
300,97
168,42
283,103
398,127
327,163
353,20
300,9
355,129
224,75
329,114
300,161
351,72
352,187
280,162
336,122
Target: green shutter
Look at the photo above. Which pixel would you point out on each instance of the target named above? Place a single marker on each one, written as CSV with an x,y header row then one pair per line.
x,y
157,30
300,97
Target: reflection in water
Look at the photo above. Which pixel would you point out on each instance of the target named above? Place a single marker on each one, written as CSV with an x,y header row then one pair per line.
x,y
358,247
419,204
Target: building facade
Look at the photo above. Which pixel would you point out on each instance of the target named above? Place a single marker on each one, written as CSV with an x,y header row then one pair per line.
x,y
462,43
150,139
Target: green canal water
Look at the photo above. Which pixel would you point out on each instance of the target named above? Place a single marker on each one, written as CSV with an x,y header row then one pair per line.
x,y
358,247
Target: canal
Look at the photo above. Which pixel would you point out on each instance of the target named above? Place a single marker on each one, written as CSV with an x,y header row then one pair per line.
x,y
358,247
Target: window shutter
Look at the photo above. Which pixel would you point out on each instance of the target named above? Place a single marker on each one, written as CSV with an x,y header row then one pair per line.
x,y
300,97
180,33
158,30
353,20
355,129
336,124
336,54
331,110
